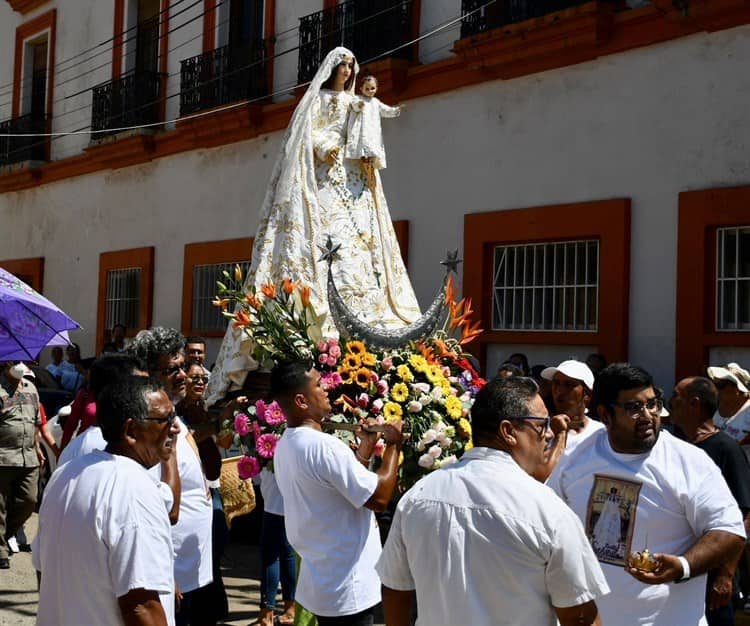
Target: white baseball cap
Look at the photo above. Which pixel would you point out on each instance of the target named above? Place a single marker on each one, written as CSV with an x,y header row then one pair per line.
x,y
733,373
572,369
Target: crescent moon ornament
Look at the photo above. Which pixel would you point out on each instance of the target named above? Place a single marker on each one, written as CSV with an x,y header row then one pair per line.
x,y
351,327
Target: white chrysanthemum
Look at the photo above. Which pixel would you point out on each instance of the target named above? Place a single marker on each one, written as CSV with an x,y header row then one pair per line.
x,y
426,461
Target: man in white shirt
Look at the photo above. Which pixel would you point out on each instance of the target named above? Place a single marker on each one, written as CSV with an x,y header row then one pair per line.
x,y
104,508
636,487
162,351
733,413
329,496
484,543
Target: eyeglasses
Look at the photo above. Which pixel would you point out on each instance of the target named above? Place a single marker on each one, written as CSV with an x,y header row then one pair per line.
x,y
171,371
545,425
199,379
162,420
636,408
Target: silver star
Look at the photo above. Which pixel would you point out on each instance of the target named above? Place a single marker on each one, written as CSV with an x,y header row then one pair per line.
x,y
451,262
330,252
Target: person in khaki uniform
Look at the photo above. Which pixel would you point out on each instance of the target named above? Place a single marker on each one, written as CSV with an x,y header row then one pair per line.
x,y
19,459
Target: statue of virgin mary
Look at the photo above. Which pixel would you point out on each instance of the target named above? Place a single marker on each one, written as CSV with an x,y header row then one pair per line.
x,y
314,193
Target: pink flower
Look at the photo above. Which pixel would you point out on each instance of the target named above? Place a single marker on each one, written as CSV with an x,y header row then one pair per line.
x,y
260,410
323,358
322,346
333,342
331,360
382,386
387,363
256,430
379,448
274,415
248,467
335,351
266,445
363,400
330,381
377,405
242,424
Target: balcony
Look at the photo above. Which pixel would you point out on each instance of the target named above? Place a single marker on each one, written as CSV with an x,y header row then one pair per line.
x,y
221,76
131,100
20,149
478,20
367,28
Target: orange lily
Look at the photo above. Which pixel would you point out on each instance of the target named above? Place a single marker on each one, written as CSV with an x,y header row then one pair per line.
x,y
289,286
253,301
223,303
238,273
241,319
269,291
450,291
347,404
304,295
470,332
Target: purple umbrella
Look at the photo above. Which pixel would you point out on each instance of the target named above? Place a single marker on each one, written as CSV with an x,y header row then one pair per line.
x,y
28,321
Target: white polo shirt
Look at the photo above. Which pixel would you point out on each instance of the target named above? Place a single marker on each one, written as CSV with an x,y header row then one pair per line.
x,y
324,489
485,544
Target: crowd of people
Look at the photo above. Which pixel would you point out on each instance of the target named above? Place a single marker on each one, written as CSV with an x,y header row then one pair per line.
x,y
588,497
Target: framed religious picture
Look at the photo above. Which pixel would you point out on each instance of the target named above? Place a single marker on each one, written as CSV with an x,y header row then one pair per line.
x,y
610,517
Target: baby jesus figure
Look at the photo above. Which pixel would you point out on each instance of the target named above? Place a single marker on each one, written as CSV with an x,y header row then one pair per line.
x,y
364,133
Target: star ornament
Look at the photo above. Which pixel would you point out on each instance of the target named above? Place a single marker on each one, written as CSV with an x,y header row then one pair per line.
x,y
452,261
330,252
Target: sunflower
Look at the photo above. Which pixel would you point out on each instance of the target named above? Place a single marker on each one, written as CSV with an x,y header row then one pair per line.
x,y
453,407
392,412
418,363
352,361
362,377
368,359
399,392
347,375
434,374
356,347
404,373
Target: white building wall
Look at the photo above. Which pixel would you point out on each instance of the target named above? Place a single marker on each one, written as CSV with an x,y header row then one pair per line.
x,y
645,124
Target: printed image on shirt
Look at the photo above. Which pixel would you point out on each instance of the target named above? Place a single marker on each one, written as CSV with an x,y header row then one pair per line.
x,y
610,517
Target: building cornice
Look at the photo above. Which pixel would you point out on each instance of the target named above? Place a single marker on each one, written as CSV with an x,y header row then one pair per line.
x,y
26,6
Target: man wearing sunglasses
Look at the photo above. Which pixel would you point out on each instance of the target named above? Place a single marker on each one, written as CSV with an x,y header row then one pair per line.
x,y
104,510
668,496
502,547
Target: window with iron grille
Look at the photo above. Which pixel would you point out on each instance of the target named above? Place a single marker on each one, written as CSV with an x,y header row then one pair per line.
x,y
123,297
207,317
733,278
552,286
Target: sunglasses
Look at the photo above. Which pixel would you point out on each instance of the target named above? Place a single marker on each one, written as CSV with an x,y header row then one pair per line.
x,y
199,379
172,371
545,425
162,420
636,408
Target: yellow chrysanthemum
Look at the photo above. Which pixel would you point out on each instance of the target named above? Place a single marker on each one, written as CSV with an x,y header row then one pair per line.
x,y
469,445
400,458
418,362
369,359
464,426
399,392
362,377
434,371
404,373
445,385
453,407
352,361
356,347
392,412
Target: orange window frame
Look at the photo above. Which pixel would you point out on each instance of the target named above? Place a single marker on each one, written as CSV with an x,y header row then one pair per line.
x,y
608,221
701,213
142,258
32,268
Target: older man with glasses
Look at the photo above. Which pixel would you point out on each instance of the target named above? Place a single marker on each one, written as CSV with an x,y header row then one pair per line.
x,y
482,542
162,349
656,509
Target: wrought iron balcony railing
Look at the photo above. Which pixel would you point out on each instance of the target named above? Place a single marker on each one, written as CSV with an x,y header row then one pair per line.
x,y
503,12
224,75
130,100
18,149
367,27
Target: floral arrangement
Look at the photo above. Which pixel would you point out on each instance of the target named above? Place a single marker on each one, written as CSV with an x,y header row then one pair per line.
x,y
430,384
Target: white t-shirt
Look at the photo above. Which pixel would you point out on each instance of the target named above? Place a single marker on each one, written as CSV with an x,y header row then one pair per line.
x,y
324,490
272,500
89,440
736,426
104,513
663,500
575,438
191,534
485,544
